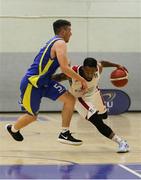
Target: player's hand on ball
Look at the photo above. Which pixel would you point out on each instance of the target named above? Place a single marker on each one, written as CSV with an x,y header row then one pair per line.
x,y
122,67
84,87
77,89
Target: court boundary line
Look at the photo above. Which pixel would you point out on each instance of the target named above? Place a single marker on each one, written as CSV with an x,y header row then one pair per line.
x,y
129,170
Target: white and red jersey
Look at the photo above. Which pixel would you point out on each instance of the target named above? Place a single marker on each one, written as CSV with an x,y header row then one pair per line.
x,y
92,101
92,85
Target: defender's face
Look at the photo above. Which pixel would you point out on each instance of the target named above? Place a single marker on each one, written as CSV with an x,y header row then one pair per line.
x,y
89,72
66,33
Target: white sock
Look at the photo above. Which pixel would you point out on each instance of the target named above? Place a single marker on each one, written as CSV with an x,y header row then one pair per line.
x,y
117,139
64,129
13,129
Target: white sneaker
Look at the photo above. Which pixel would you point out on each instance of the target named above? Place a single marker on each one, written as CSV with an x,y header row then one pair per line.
x,y
123,147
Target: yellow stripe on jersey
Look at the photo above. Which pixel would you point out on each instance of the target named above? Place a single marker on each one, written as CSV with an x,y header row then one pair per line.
x,y
46,68
26,98
34,79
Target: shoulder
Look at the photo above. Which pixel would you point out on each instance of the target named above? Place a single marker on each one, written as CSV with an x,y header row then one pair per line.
x,y
59,42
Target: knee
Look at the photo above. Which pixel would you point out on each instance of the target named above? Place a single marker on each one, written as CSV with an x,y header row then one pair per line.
x,y
70,99
95,119
104,115
32,117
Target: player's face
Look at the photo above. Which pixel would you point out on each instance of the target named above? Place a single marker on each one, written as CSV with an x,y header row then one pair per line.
x,y
89,72
67,33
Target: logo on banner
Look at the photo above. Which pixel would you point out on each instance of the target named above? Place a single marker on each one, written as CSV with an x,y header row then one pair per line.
x,y
116,101
109,99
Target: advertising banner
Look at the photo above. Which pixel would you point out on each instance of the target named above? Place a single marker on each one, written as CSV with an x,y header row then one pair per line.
x,y
116,101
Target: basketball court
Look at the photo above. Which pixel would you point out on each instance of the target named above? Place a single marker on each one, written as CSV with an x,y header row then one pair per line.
x,y
106,30
41,156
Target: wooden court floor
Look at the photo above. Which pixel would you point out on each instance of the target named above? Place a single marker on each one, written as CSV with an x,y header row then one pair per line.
x,y
41,147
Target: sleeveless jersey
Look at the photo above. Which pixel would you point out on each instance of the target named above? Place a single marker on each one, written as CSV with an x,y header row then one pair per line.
x,y
40,72
92,85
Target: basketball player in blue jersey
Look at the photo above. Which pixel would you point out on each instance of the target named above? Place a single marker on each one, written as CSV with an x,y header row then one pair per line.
x,y
37,83
90,105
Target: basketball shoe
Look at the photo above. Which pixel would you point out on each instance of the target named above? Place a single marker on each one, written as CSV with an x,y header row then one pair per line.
x,y
67,138
16,135
123,147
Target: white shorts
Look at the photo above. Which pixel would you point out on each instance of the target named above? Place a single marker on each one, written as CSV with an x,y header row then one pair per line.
x,y
87,106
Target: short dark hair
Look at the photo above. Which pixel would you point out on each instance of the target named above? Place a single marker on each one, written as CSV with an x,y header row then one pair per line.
x,y
57,25
91,62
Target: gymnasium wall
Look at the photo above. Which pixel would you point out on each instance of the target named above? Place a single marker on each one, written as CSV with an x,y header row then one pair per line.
x,y
104,29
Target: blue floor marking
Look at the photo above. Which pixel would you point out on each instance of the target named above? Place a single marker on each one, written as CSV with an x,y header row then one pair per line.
x,y
135,167
71,171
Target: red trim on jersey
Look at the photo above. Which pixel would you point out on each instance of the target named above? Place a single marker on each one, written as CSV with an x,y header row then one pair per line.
x,y
75,68
83,103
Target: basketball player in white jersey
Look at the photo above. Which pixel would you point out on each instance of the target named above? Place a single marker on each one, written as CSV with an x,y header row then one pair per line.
x,y
90,105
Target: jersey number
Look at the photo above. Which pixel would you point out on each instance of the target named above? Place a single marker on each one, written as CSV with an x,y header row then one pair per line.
x,y
58,87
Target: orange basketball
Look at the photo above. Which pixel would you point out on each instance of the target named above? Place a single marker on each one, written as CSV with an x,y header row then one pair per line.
x,y
119,77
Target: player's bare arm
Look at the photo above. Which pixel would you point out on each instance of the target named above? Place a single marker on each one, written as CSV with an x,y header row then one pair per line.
x,y
60,77
110,64
61,53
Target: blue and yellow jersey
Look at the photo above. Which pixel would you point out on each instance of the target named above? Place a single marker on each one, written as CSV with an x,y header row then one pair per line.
x,y
43,66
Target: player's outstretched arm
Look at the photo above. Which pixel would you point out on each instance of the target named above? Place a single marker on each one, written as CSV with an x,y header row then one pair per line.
x,y
110,64
60,77
61,53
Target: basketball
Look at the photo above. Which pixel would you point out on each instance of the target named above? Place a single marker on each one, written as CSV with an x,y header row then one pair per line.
x,y
76,89
119,77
